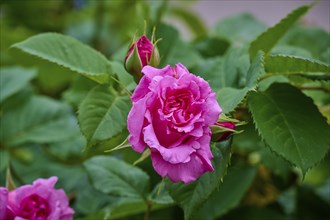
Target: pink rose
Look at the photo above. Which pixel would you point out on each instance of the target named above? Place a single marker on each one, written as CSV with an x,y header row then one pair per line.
x,y
3,203
141,53
39,201
171,114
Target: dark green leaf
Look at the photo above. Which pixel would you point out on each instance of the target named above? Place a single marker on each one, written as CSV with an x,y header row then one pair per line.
x,y
103,114
229,194
113,176
267,40
212,46
69,53
191,196
291,124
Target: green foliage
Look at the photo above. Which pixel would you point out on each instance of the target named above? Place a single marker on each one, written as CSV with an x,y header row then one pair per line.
x,y
279,64
13,80
69,95
191,196
267,40
69,53
113,176
38,120
229,194
239,29
289,129
102,114
229,97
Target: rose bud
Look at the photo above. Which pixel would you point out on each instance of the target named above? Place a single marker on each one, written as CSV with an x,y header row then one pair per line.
x,y
222,130
141,53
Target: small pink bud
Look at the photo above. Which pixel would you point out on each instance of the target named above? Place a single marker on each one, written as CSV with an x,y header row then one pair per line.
x,y
225,127
141,53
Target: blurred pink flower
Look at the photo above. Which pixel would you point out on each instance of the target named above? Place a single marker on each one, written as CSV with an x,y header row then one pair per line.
x,y
39,201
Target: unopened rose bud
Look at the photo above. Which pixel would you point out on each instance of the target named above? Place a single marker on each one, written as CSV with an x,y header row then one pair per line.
x,y
222,131
141,53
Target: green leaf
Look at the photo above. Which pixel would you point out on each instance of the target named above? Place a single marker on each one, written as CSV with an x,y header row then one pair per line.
x,y
239,29
302,35
212,46
113,176
279,64
193,21
69,53
174,50
229,98
39,120
78,90
191,196
226,71
102,114
160,195
291,124
14,79
229,194
125,78
267,40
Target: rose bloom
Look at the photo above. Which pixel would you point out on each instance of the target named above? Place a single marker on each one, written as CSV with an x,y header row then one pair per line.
x,y
39,201
171,114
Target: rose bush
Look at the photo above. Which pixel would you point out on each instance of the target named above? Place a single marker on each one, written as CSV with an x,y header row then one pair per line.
x,y
39,201
171,114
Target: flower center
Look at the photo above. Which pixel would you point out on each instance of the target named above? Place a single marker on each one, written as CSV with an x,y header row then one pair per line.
x,y
34,207
176,107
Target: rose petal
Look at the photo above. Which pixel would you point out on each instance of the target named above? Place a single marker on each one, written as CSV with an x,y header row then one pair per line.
x,y
186,172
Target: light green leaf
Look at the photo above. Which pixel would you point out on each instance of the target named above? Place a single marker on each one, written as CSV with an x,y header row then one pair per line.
x,y
193,21
102,114
191,196
144,156
113,176
291,124
39,120
239,29
280,64
14,79
229,98
302,35
267,40
229,194
69,53
124,77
